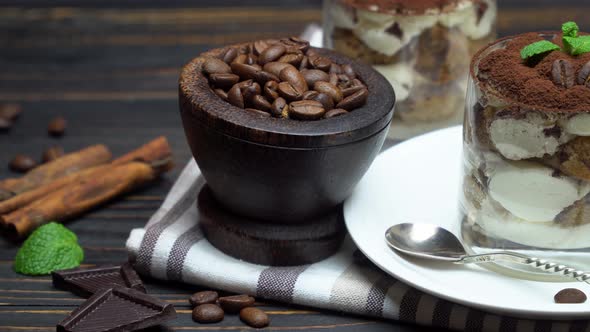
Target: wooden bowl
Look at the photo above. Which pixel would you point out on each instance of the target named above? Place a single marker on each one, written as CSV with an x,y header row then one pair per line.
x,y
282,170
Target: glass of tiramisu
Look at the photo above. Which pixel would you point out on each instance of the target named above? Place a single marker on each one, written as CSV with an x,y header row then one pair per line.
x,y
526,184
423,48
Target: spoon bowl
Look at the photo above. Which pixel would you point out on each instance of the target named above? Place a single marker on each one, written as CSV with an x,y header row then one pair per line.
x,y
425,241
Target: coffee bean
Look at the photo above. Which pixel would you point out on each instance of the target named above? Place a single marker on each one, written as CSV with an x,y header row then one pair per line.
x,y
329,89
271,53
222,94
10,112
348,91
275,67
326,101
22,163
355,100
245,49
5,194
235,303
584,75
270,90
292,75
306,110
242,58
224,81
261,103
235,97
254,317
357,82
229,55
304,63
246,72
249,91
52,153
314,75
5,125
343,81
335,69
258,112
287,91
57,126
293,59
310,94
260,46
348,71
333,79
215,66
570,295
311,53
321,63
279,107
263,76
295,45
207,313
251,59
335,112
204,297
562,73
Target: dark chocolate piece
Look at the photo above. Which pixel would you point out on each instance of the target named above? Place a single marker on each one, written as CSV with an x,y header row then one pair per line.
x,y
116,310
85,282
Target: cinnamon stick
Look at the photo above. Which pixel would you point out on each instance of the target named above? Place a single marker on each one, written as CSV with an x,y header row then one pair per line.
x,y
156,150
97,187
68,164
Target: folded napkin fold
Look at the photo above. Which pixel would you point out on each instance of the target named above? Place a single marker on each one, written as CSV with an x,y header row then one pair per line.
x,y
172,247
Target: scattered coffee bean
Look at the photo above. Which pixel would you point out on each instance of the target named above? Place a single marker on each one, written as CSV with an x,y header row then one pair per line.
x,y
224,81
306,110
5,194
293,76
570,295
258,112
329,89
270,90
327,101
52,153
204,297
287,91
57,127
275,67
233,304
355,100
562,73
272,53
254,317
314,75
207,313
216,66
279,107
5,124
10,112
230,55
222,94
22,163
584,75
335,112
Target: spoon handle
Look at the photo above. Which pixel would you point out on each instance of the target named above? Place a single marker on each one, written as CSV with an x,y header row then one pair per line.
x,y
537,263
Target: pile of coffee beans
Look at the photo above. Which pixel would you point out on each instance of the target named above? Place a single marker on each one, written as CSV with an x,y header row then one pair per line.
x,y
208,307
285,79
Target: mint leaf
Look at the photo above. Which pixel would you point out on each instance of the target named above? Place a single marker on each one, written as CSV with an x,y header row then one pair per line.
x,y
51,247
570,29
577,45
536,48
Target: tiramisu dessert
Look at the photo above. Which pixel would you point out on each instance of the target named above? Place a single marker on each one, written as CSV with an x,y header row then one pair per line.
x,y
527,143
423,47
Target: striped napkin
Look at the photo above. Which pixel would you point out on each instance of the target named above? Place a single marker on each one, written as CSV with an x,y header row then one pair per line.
x,y
172,247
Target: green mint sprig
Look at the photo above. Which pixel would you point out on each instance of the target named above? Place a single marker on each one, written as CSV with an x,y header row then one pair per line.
x,y
572,43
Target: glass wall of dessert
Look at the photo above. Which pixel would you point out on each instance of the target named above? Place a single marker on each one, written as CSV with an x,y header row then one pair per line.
x,y
423,48
527,150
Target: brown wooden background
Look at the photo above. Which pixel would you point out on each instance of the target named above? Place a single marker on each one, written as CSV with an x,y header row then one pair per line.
x,y
111,68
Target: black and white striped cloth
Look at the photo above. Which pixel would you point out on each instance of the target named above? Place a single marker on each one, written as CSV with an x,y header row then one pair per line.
x,y
172,247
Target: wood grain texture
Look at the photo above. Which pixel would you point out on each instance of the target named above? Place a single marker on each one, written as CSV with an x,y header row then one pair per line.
x,y
111,68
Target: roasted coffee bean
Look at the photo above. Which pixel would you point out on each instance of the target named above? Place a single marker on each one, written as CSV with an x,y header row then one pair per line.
x,y
254,317
233,304
22,163
250,91
335,69
584,75
570,295
357,82
321,63
334,113
242,58
204,297
272,53
309,94
235,97
353,89
279,107
287,91
304,63
295,45
261,103
329,89
5,194
245,49
222,94
348,71
326,100
293,59
251,59
562,73
275,67
333,79
270,90
246,72
207,313
314,75
355,100
344,81
10,111
52,153
229,55
260,46
215,66
57,126
5,124
292,75
224,81
263,76
306,110
258,112
312,53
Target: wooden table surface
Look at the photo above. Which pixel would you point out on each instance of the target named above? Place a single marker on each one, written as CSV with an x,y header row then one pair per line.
x,y
112,72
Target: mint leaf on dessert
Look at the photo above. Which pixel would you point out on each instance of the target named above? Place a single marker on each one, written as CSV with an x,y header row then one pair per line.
x,y
577,45
570,29
536,48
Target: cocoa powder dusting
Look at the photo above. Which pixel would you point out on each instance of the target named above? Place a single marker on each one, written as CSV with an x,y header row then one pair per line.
x,y
531,83
412,7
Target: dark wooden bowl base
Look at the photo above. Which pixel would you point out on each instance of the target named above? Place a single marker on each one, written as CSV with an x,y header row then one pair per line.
x,y
268,243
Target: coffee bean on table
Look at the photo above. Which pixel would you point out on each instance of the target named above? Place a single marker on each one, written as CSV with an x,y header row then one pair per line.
x,y
52,153
5,124
204,297
207,313
355,100
335,112
233,304
57,127
306,110
329,89
584,75
10,111
224,81
570,295
254,317
216,66
562,73
22,163
314,75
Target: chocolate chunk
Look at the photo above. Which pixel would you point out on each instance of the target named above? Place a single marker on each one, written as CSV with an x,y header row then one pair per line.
x,y
554,131
254,317
208,313
116,310
204,297
570,295
235,303
395,30
85,282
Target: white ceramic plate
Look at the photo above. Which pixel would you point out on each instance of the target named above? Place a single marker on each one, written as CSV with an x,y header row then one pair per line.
x,y
419,181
